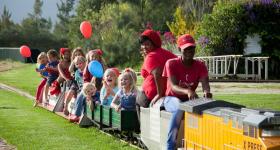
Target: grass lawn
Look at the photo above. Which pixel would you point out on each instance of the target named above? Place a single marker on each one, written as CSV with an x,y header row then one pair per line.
x,y
24,78
263,101
35,128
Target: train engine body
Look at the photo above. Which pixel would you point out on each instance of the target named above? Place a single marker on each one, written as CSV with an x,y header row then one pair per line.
x,y
220,125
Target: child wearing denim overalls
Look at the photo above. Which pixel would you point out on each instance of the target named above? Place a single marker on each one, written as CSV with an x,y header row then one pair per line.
x,y
126,96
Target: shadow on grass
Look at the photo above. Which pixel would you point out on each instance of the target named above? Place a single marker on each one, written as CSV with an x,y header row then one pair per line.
x,y
7,107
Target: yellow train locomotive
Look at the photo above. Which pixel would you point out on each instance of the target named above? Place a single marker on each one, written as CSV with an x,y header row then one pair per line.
x,y
220,125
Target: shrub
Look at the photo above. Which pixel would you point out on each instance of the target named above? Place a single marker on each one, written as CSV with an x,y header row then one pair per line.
x,y
229,24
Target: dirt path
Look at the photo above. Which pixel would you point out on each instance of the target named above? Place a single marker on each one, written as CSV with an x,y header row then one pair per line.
x,y
8,65
5,146
20,92
243,88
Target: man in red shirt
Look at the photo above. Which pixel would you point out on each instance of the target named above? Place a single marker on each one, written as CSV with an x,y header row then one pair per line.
x,y
155,57
183,73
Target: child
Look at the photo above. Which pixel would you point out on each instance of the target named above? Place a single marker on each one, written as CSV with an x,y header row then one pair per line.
x,y
63,69
76,52
109,88
42,61
80,63
94,55
52,70
126,96
87,77
90,96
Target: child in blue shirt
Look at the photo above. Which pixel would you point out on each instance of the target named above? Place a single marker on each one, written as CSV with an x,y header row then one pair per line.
x,y
52,70
110,86
42,61
76,87
126,96
90,97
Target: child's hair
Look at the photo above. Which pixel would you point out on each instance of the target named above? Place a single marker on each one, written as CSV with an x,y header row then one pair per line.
x,y
132,75
40,56
87,86
115,72
53,53
78,49
79,59
98,53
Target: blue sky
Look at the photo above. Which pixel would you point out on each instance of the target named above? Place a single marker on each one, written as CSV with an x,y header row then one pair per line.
x,y
20,9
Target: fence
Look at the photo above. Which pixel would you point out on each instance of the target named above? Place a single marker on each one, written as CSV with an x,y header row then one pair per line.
x,y
14,54
11,53
229,65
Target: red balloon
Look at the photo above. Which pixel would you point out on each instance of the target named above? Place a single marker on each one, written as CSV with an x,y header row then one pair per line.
x,y
86,29
25,51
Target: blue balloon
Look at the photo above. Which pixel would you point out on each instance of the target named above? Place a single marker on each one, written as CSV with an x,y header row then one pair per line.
x,y
95,68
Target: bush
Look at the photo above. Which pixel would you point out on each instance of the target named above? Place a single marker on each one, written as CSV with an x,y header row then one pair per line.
x,y
221,29
224,31
229,24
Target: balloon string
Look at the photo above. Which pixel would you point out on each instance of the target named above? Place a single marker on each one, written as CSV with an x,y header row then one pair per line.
x,y
31,60
87,44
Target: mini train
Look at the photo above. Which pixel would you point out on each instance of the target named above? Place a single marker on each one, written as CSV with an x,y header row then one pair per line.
x,y
207,125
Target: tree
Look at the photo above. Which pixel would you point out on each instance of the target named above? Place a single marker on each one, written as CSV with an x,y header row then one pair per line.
x,y
35,20
115,31
61,28
5,21
178,26
37,8
195,9
157,12
36,30
37,12
10,35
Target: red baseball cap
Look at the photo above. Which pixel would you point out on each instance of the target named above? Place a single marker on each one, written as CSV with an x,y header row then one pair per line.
x,y
185,41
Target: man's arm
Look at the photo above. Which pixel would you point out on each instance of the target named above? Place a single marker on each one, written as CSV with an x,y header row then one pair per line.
x,y
179,90
206,87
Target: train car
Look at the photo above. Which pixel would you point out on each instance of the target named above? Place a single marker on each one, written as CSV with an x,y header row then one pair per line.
x,y
154,128
207,125
55,103
220,125
107,118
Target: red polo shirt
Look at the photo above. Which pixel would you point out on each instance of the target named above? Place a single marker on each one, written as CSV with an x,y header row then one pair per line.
x,y
188,77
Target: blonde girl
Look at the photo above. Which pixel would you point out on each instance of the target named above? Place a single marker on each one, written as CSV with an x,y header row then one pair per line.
x,y
76,52
126,96
110,86
42,61
80,63
90,97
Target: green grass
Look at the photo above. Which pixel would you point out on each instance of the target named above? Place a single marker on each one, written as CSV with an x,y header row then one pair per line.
x,y
264,101
35,128
250,85
140,80
24,78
